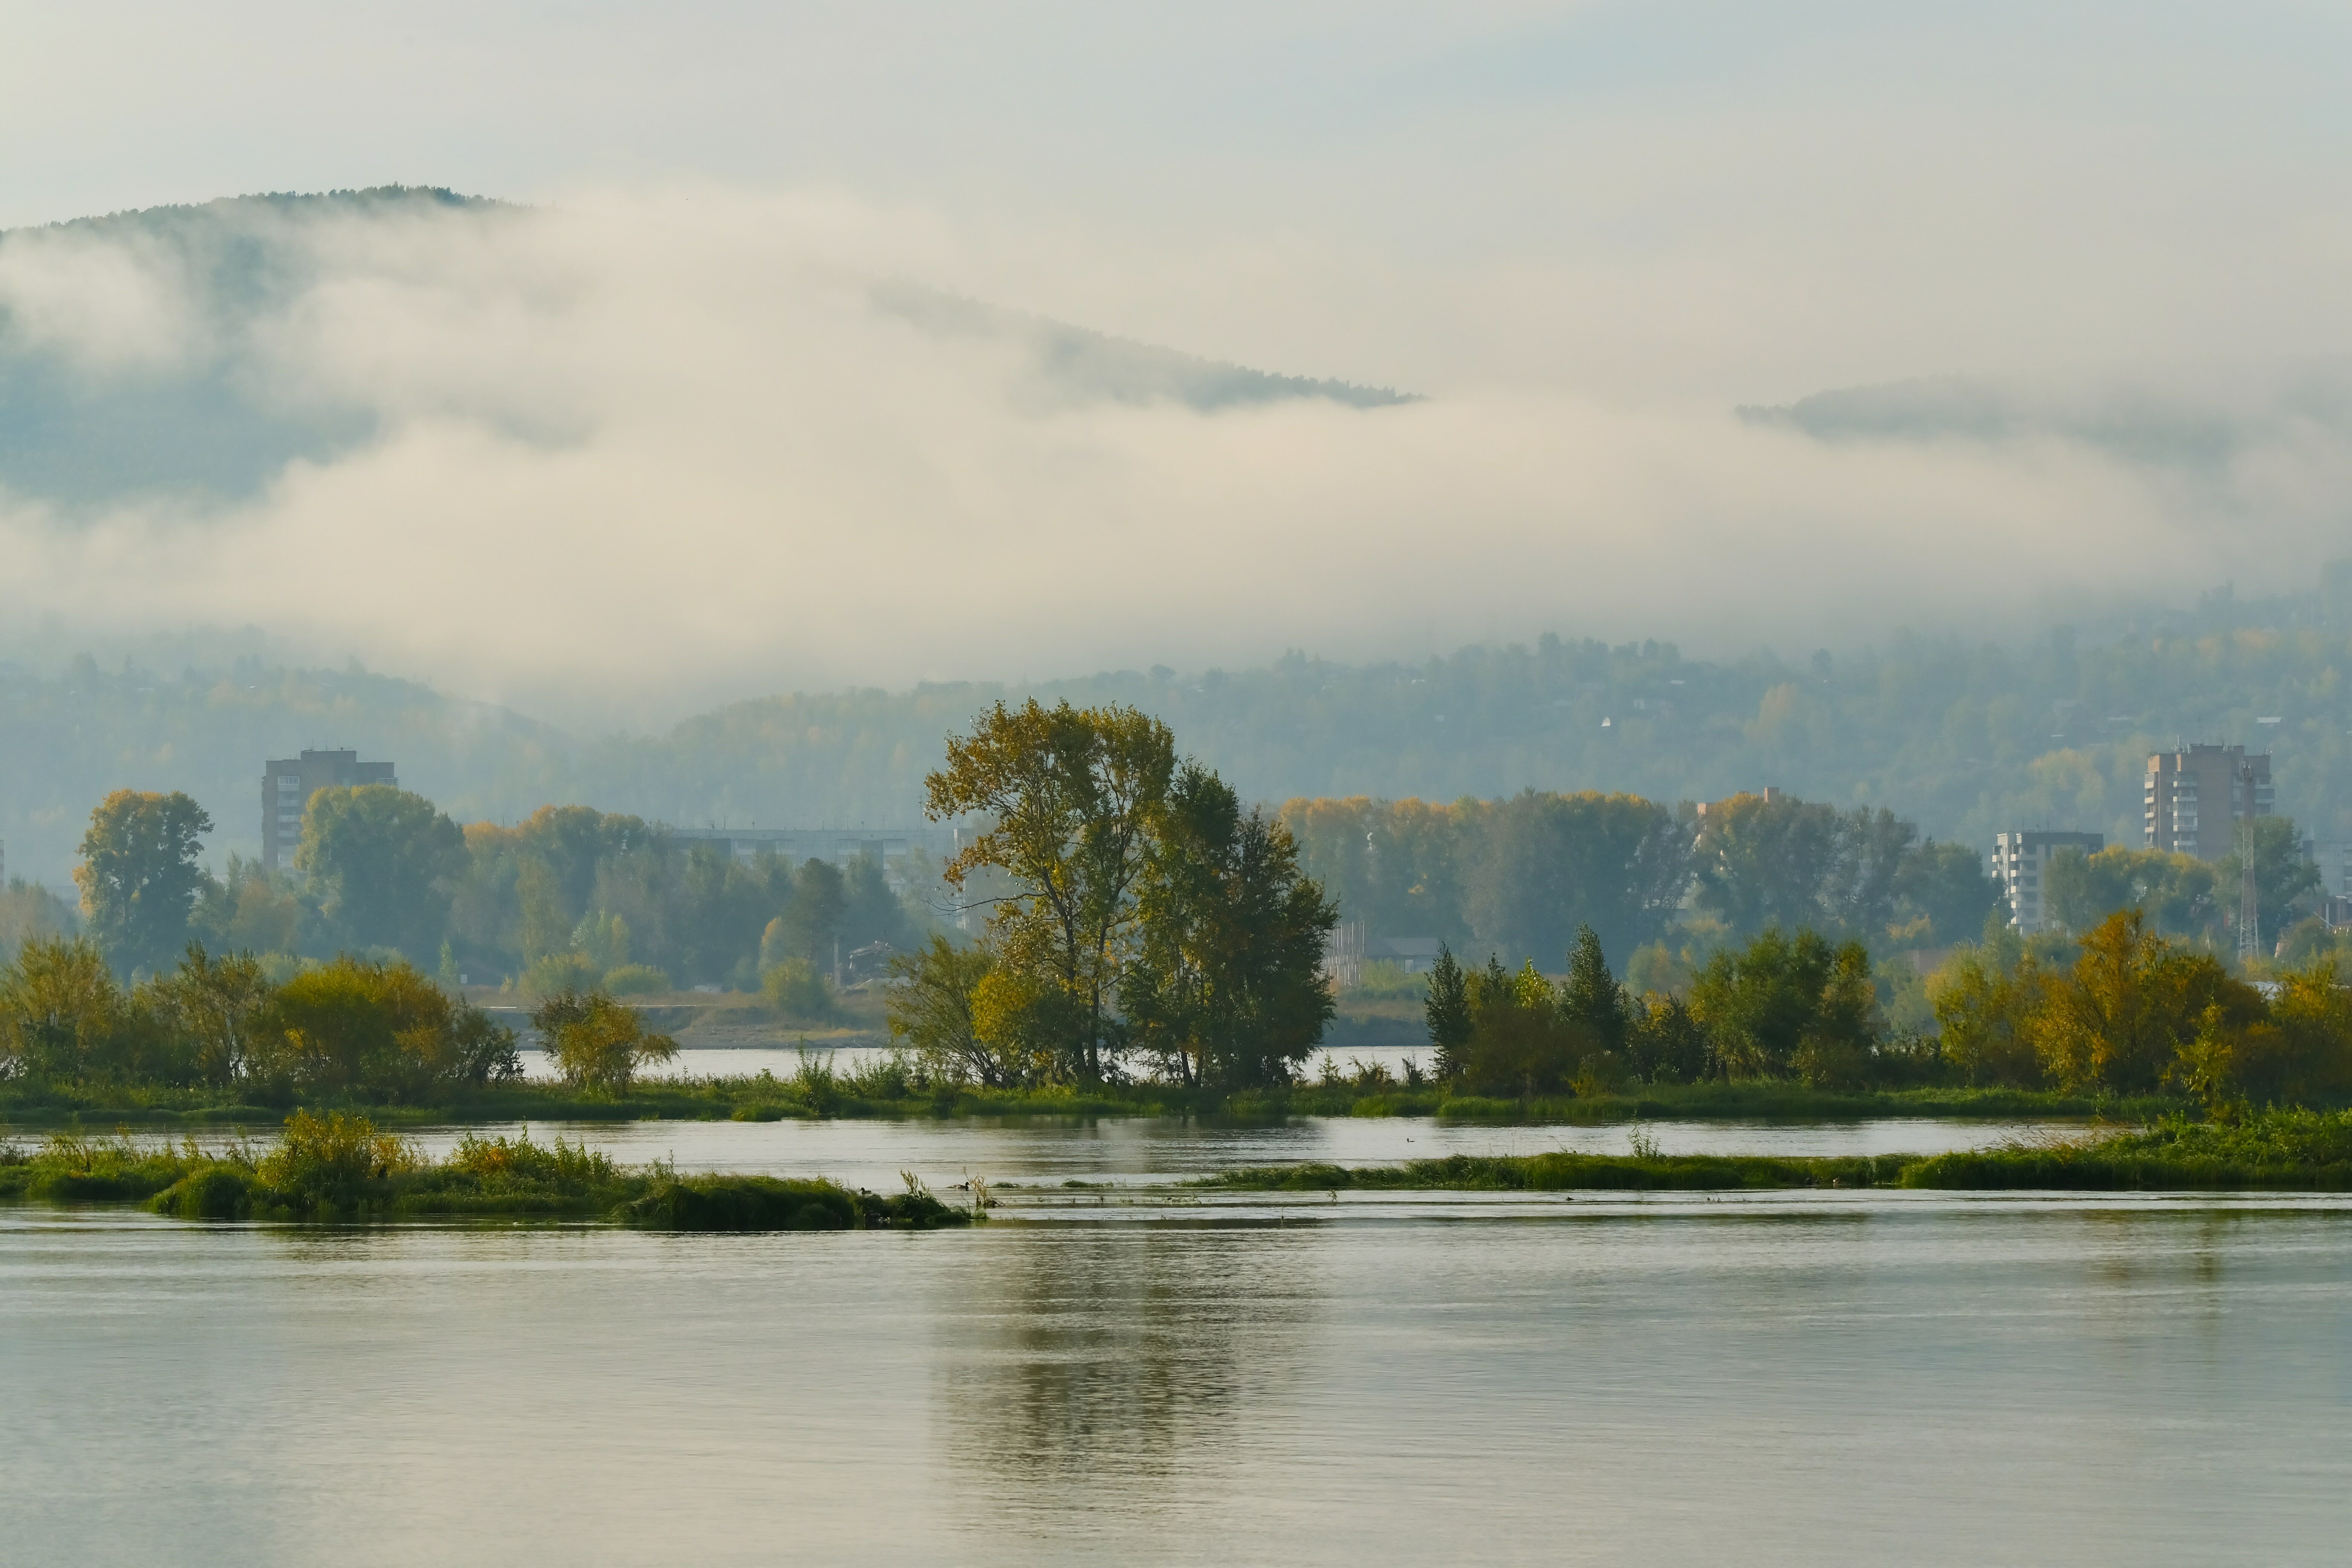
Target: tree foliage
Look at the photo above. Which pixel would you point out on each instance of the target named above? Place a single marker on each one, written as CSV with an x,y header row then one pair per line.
x,y
138,875
384,864
1225,985
1071,796
597,1044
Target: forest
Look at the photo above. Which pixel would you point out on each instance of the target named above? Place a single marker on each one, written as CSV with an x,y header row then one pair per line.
x,y
1965,736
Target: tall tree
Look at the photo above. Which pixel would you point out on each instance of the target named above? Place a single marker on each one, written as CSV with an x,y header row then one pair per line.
x,y
1591,999
1545,864
1071,795
218,1007
139,876
1447,1010
384,864
1226,986
871,909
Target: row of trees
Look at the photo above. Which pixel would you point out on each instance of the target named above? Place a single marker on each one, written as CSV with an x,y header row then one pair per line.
x,y
2126,1012
570,898
1139,916
1779,1007
1523,875
350,1027
2135,1012
2181,896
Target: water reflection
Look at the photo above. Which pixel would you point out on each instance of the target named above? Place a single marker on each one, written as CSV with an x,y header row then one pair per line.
x,y
1101,1380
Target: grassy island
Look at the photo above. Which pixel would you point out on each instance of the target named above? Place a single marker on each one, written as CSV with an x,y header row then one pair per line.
x,y
339,1168
2278,1151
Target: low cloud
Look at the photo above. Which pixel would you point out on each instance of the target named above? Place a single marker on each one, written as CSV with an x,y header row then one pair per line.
x,y
631,453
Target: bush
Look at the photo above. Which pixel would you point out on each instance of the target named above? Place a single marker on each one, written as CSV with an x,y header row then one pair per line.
x,y
558,972
636,980
796,990
381,1031
596,1043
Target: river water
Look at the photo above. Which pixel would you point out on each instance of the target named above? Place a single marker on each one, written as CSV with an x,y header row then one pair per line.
x,y
1132,1375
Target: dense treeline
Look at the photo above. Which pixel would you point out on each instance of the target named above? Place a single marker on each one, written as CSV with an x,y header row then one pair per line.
x,y
347,1029
571,899
1966,737
2124,1013
1520,876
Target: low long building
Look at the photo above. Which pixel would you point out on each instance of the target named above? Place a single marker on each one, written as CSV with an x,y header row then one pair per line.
x,y
840,846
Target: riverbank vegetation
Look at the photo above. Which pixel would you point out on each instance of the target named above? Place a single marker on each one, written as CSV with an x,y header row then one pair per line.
x,y
341,1168
2300,1151
2126,1012
1153,946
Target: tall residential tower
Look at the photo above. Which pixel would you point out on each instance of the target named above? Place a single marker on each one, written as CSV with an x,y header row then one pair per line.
x,y
286,787
2195,798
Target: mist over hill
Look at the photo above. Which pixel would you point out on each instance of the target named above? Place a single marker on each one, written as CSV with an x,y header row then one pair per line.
x,y
624,457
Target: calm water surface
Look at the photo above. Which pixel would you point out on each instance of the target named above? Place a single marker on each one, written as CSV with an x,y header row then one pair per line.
x,y
1861,1378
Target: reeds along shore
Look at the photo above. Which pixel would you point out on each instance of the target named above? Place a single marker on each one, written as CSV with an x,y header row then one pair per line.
x,y
340,1168
887,1089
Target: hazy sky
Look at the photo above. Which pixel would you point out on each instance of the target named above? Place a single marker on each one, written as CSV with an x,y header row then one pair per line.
x,y
1587,232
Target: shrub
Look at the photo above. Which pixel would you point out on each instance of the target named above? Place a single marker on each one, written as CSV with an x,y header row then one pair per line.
x,y
335,1155
558,972
796,990
378,1030
596,1043
636,980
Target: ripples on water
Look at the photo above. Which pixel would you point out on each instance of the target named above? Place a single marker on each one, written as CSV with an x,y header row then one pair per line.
x,y
1801,1379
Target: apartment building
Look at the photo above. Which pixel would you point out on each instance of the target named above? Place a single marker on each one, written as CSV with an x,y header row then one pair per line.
x,y
2019,860
2195,797
288,784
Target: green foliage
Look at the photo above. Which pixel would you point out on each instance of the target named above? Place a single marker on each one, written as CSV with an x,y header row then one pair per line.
x,y
931,1008
2176,894
59,1006
1667,1044
1447,1011
1386,979
556,973
2283,879
219,1007
384,864
1071,796
597,1044
1786,1005
2290,1150
795,989
379,1032
139,876
1522,875
1537,867
338,1167
28,911
1225,984
603,939
636,980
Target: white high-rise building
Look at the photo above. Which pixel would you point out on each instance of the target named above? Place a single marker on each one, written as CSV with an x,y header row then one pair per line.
x,y
2018,862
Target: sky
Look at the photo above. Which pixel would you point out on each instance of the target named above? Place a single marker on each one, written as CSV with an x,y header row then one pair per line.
x,y
654,443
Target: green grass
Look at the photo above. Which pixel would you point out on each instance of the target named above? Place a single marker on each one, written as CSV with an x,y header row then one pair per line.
x,y
1561,1171
880,1092
344,1169
2306,1151
2301,1150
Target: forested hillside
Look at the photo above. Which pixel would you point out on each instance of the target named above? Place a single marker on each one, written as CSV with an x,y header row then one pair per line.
x,y
1961,739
